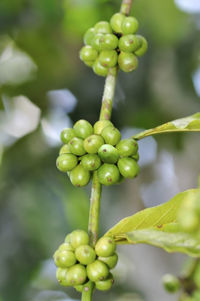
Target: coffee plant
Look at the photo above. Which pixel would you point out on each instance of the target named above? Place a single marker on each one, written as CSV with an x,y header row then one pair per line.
x,y
98,153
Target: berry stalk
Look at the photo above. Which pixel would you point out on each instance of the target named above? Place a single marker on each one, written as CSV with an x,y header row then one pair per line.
x,y
126,7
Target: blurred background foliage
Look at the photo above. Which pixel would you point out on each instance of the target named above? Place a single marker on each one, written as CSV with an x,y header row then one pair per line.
x,y
43,88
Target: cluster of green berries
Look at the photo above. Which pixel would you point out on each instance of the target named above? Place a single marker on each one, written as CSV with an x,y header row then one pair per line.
x,y
112,44
87,148
78,262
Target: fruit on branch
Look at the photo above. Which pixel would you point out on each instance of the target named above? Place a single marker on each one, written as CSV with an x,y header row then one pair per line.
x,y
89,36
108,58
83,129
108,174
105,246
99,69
108,153
79,238
100,125
88,53
76,275
76,146
103,27
171,283
97,271
116,22
67,134
111,261
61,276
129,43
85,254
111,135
64,259
91,162
79,176
129,25
105,285
110,42
127,61
66,162
143,48
64,149
128,167
93,143
127,147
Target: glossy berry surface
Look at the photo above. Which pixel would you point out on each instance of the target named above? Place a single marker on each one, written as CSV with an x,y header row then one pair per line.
x,y
79,238
111,135
108,174
76,146
108,153
105,246
97,271
100,125
129,43
66,246
110,42
79,176
171,283
91,162
111,261
116,22
88,53
76,275
61,275
66,135
64,259
127,61
144,47
99,69
128,167
97,42
105,285
89,36
64,149
127,147
136,157
93,143
103,27
129,25
83,129
85,254
66,162
108,58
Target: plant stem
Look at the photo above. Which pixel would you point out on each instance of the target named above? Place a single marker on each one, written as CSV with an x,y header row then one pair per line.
x,y
87,291
126,7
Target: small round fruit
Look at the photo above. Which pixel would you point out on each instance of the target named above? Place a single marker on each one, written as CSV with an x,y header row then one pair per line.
x,y
111,135
91,162
144,47
93,143
103,27
79,176
76,275
110,42
136,157
100,125
105,285
105,246
88,53
79,238
116,22
111,261
88,36
129,25
97,271
67,134
129,43
68,238
128,167
97,42
108,174
99,69
76,146
83,129
89,63
108,153
79,288
64,149
66,162
127,61
127,147
171,283
61,275
85,254
108,58
64,259
66,246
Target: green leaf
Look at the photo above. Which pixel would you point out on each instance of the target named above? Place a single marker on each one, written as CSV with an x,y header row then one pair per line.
x,y
187,124
158,226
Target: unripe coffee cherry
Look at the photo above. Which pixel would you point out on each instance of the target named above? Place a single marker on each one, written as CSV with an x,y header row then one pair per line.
x,y
91,162
105,285
108,153
76,275
64,259
171,283
105,246
144,47
108,58
61,275
116,22
128,167
76,146
88,53
99,69
97,271
136,157
111,261
79,288
127,147
98,41
93,143
85,254
66,162
103,27
64,149
127,61
79,176
100,125
68,238
129,43
88,36
111,135
110,42
79,238
108,174
67,134
83,129
66,246
129,25
89,63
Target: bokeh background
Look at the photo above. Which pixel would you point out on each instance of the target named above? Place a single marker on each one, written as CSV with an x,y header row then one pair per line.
x,y
44,87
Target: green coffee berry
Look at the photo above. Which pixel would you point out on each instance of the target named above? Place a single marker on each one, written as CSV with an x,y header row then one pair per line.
x,y
127,61
111,261
91,162
79,238
98,41
76,146
66,246
93,143
79,288
129,43
100,125
116,22
88,53
68,238
105,285
88,36
136,157
129,25
111,135
108,174
64,259
83,129
89,63
67,134
66,162
103,27
110,42
108,153
64,149
171,283
99,69
144,46
128,167
108,58
97,271
61,275
85,254
79,176
76,275
127,147
105,246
